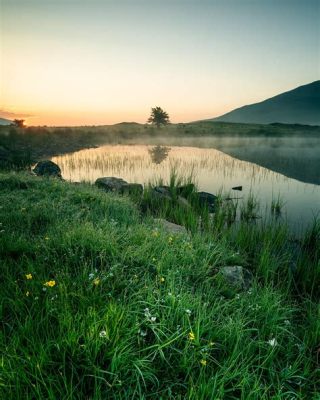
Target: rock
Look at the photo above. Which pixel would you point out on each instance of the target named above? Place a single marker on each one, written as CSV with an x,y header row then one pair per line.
x,y
47,168
112,184
206,200
183,202
162,192
237,188
186,190
132,188
170,226
237,277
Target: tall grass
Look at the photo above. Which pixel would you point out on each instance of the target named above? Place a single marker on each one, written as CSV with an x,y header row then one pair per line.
x,y
99,303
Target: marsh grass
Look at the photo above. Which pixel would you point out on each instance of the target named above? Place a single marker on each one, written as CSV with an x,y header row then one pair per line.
x,y
137,313
277,205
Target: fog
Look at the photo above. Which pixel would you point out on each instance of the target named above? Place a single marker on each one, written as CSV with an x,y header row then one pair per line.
x,y
294,157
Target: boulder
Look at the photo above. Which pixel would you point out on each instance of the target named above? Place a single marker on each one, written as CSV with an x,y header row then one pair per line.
x,y
183,202
206,200
112,184
237,277
170,226
132,188
162,192
186,190
47,168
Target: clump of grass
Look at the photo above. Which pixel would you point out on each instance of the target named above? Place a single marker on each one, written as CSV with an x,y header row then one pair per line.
x,y
179,205
306,265
249,209
99,303
277,206
311,239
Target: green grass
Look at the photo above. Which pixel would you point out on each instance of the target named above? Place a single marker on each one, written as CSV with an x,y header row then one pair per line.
x,y
137,313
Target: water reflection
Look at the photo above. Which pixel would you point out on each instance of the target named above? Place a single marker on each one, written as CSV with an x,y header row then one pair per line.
x,y
213,171
158,153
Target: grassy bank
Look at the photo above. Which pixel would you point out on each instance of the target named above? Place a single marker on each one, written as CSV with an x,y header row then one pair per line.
x,y
99,303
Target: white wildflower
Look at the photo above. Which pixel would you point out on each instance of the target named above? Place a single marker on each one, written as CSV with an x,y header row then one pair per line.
x,y
273,342
147,313
103,334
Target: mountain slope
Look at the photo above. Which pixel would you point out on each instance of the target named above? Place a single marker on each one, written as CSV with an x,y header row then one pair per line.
x,y
4,121
298,106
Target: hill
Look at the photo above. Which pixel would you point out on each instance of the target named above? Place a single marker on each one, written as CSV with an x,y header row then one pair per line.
x,y
297,106
4,121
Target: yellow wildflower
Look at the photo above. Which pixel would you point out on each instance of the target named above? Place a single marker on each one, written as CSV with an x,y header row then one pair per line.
x,y
191,336
170,239
50,284
28,276
47,238
96,282
203,362
162,279
27,293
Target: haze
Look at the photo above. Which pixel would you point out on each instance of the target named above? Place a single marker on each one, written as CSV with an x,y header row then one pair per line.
x,y
92,62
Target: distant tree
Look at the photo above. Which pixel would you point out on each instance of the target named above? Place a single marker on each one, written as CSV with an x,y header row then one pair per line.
x,y
19,123
158,117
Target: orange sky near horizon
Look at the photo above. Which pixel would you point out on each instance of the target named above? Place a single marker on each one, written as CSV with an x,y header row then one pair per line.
x,y
81,62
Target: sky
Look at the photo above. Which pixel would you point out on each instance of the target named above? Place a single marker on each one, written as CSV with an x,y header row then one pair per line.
x,y
94,62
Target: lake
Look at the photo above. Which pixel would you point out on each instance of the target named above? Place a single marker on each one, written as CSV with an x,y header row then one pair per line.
x,y
212,170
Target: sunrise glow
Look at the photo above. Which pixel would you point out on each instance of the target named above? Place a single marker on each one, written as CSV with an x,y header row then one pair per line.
x,y
93,62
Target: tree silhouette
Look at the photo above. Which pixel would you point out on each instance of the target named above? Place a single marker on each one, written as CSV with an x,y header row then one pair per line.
x,y
158,117
19,123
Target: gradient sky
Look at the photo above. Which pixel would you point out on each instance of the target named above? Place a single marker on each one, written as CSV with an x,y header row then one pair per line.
x,y
83,62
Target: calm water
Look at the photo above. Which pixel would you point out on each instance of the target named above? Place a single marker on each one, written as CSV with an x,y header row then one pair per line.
x,y
213,171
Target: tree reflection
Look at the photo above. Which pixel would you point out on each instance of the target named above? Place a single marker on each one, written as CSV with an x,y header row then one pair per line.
x,y
159,153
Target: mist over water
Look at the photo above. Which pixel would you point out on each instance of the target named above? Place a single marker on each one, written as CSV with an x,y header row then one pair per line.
x,y
212,170
296,157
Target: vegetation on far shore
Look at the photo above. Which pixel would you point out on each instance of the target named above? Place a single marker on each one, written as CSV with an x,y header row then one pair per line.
x,y
29,144
99,302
